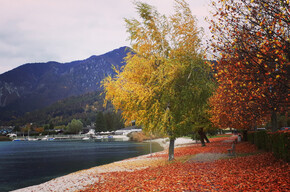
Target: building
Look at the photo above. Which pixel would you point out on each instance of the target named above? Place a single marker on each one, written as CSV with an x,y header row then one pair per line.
x,y
127,130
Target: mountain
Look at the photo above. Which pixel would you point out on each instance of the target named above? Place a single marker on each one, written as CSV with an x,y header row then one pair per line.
x,y
83,107
36,85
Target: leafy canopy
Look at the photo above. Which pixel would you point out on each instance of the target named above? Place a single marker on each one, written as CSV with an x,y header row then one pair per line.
x,y
75,126
251,42
165,84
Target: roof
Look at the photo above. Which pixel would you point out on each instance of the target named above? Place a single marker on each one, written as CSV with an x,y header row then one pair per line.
x,y
129,128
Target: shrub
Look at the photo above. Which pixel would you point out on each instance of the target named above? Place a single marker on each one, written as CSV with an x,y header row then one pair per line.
x,y
141,136
277,142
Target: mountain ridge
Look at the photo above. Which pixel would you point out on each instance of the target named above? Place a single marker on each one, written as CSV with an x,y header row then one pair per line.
x,y
35,85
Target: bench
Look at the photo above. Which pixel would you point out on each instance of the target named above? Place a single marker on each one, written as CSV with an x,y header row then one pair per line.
x,y
231,151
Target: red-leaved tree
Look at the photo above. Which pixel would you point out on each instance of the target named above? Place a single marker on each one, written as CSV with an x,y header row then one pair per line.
x,y
251,43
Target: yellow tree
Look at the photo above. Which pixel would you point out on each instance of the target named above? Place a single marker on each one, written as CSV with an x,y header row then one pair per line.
x,y
165,84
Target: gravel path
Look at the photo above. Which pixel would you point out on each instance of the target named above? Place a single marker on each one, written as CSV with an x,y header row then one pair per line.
x,y
164,142
207,157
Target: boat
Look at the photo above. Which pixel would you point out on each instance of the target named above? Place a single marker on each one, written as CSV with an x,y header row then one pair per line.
x,y
31,139
86,138
99,138
46,138
18,140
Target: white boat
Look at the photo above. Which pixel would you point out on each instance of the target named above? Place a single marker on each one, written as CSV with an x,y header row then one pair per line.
x,y
86,138
99,137
30,139
16,139
46,138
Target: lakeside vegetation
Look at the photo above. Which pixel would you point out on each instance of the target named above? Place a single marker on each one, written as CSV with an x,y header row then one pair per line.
x,y
62,112
87,109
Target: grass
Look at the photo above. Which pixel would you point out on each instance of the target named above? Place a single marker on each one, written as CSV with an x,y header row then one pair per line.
x,y
217,136
212,136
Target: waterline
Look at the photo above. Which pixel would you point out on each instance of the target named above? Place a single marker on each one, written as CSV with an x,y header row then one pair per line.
x,y
26,163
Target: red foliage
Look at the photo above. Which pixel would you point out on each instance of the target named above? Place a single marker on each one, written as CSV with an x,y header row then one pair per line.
x,y
260,172
216,145
251,38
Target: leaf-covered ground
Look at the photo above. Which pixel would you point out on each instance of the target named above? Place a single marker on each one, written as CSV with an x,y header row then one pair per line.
x,y
249,170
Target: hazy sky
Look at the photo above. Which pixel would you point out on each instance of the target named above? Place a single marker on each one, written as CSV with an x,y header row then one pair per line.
x,y
67,30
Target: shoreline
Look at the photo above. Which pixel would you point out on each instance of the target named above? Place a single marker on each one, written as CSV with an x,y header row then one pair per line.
x,y
179,142
79,180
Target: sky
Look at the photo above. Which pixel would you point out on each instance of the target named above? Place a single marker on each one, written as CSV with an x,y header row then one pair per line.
x,y
67,30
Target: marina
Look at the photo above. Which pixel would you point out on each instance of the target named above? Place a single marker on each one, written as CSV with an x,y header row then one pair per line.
x,y
84,137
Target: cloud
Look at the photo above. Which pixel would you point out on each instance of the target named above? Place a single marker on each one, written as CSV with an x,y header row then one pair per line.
x,y
66,30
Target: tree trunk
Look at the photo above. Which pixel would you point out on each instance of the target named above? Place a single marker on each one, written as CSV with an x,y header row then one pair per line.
x,y
245,135
255,126
206,138
286,115
274,121
202,136
171,150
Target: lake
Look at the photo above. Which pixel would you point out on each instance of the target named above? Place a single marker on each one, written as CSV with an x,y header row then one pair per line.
x,y
27,163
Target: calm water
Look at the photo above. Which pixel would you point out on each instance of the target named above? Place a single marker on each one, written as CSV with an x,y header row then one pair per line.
x,y
27,163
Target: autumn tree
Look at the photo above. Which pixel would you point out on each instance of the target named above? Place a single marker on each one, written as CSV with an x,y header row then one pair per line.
x,y
165,84
251,43
39,129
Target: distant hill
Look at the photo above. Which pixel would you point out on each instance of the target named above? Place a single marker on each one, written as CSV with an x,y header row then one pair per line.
x,y
36,85
84,107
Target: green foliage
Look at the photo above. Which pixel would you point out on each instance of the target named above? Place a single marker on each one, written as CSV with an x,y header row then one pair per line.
x,y
60,127
75,126
100,122
277,142
46,126
280,144
17,128
211,131
51,126
109,121
195,136
260,139
251,137
82,107
113,121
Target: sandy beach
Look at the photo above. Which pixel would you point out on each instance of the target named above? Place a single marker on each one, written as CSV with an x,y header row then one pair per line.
x,y
80,179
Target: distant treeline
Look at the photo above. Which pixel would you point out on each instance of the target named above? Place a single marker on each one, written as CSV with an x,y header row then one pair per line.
x,y
85,108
